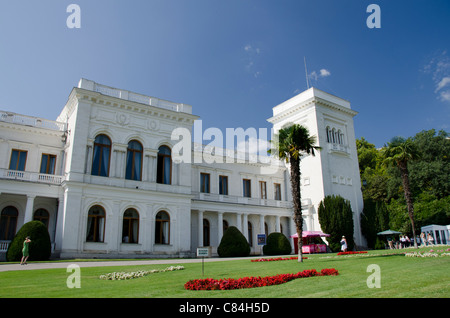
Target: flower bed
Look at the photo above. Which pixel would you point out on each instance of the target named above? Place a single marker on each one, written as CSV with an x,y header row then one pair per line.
x,y
429,254
131,275
251,282
276,259
352,252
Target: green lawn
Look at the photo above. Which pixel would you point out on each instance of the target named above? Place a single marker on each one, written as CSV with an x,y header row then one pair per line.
x,y
401,277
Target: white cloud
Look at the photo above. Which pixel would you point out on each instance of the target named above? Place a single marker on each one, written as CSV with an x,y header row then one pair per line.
x,y
324,72
445,96
444,82
252,58
439,68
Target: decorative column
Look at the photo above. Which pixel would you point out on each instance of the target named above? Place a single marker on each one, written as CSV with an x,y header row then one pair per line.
x,y
219,227
245,225
277,224
239,221
200,228
29,209
59,224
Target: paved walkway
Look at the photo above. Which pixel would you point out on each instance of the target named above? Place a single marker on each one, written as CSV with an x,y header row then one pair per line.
x,y
168,261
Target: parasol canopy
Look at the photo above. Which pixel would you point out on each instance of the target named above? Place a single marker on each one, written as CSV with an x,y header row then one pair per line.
x,y
311,234
388,232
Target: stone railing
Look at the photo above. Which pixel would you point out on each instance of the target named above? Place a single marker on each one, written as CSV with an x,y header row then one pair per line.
x,y
31,176
13,118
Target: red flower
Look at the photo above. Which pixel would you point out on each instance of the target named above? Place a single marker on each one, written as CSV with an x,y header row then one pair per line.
x,y
351,252
250,282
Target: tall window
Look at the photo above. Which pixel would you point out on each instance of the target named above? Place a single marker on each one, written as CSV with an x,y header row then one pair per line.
x,y
18,160
134,161
130,226
162,228
48,163
164,169
247,188
263,189
8,223
41,215
206,232
277,189
204,182
223,185
102,154
96,224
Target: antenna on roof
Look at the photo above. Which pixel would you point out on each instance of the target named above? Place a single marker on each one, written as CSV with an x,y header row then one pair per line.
x,y
306,73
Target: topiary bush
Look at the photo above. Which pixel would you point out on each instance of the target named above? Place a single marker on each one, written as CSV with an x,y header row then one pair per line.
x,y
277,244
233,244
40,247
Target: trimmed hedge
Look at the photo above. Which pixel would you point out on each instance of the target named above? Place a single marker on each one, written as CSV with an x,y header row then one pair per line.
x,y
40,246
233,244
277,244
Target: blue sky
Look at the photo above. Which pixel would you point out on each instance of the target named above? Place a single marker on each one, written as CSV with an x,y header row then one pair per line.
x,y
233,60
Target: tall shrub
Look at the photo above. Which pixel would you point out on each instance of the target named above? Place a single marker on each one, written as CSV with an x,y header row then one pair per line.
x,y
277,244
233,244
336,219
40,246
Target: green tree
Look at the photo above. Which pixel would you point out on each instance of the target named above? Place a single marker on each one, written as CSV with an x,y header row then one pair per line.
x,y
336,219
399,152
374,219
290,144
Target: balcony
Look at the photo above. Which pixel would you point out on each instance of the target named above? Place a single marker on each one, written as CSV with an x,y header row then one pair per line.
x,y
31,176
13,118
338,149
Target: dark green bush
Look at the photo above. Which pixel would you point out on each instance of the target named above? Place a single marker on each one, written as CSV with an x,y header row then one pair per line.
x,y
40,246
233,244
277,244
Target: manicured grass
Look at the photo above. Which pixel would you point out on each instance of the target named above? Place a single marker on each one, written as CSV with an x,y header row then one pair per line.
x,y
401,277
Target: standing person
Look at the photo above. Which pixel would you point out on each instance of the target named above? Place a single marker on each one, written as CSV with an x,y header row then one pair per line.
x,y
25,251
422,238
430,239
343,244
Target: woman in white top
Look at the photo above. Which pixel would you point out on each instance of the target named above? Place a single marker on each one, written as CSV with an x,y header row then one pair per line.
x,y
343,244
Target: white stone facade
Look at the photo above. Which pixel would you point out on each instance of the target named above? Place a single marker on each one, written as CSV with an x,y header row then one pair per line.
x,y
104,179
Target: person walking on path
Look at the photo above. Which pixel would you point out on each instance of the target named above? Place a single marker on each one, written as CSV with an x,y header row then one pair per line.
x,y
343,244
25,251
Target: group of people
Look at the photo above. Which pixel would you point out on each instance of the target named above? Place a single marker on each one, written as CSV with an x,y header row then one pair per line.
x,y
426,239
404,241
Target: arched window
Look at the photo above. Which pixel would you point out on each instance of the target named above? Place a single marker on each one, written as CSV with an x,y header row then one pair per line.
x,y
8,223
206,232
102,154
339,137
164,169
130,226
134,161
162,228
96,224
334,136
329,137
42,215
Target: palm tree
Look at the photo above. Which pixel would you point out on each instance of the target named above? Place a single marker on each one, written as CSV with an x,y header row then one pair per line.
x,y
398,152
290,144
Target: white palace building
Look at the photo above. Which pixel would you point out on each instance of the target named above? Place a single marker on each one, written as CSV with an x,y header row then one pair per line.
x,y
106,181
